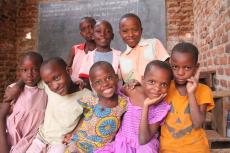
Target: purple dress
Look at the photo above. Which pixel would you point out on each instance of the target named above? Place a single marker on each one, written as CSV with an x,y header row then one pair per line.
x,y
126,140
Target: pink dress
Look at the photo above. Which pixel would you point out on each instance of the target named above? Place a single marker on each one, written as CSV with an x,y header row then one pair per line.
x,y
79,54
126,140
27,116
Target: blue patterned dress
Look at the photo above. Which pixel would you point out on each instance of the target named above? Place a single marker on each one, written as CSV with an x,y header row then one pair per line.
x,y
99,125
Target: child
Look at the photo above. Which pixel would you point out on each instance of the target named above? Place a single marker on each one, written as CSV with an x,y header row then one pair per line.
x,y
102,112
4,110
103,35
145,114
182,131
62,112
79,51
139,51
29,109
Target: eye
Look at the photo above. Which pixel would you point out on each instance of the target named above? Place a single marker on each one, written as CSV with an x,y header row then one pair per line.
x,y
57,78
188,68
23,70
151,82
109,77
164,85
97,83
174,67
35,70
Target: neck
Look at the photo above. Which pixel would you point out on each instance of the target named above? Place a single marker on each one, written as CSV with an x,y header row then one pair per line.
x,y
73,88
182,89
108,102
103,49
89,46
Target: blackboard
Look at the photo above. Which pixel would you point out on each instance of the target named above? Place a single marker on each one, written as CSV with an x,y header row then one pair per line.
x,y
59,22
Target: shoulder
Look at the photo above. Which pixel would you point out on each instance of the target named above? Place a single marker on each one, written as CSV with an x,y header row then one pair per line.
x,y
202,88
116,52
79,46
88,98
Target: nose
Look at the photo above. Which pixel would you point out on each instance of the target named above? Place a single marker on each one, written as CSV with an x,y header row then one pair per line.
x,y
157,87
130,33
29,73
54,86
104,83
180,71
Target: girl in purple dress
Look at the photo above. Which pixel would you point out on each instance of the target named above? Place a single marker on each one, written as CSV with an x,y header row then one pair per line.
x,y
146,111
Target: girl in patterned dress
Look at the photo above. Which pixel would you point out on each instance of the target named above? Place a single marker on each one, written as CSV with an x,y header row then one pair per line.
x,y
102,111
145,114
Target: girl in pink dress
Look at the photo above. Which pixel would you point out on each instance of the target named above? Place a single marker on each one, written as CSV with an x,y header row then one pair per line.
x,y
146,111
29,109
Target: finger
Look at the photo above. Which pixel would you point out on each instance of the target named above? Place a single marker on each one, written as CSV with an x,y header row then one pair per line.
x,y
197,75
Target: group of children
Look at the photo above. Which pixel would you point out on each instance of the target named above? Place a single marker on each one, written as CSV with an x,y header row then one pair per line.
x,y
55,116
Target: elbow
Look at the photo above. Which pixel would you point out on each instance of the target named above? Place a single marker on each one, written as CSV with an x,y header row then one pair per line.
x,y
197,125
142,141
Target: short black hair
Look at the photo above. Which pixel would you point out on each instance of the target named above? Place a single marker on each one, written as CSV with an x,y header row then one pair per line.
x,y
132,15
107,22
32,55
186,47
101,64
57,61
161,65
89,19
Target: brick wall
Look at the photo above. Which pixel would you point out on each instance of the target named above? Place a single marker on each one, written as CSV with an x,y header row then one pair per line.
x,y
179,21
7,43
201,21
212,36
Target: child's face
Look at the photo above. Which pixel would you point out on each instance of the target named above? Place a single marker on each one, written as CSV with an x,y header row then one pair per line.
x,y
56,78
104,82
130,31
103,34
86,30
29,71
156,82
183,66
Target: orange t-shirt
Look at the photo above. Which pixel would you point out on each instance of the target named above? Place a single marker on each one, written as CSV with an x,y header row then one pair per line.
x,y
177,133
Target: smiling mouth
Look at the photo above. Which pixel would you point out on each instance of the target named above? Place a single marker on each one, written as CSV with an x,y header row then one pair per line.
x,y
108,90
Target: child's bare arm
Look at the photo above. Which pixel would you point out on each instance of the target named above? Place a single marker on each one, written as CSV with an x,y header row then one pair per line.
x,y
12,93
4,109
146,130
198,113
70,58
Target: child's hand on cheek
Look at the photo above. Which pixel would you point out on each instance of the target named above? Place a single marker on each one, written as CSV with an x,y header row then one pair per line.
x,y
193,83
154,101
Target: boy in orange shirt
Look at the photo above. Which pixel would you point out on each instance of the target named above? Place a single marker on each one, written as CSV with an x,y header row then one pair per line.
x,y
182,131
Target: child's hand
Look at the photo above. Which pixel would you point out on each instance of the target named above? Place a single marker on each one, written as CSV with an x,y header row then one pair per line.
x,y
132,83
154,101
193,82
11,94
67,138
81,84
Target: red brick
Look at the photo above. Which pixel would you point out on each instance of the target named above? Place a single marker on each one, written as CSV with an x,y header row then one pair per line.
x,y
220,71
223,83
227,71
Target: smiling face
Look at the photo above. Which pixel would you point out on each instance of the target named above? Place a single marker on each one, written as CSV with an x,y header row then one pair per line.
x,y
86,29
183,66
130,31
104,81
56,78
156,82
103,35
29,71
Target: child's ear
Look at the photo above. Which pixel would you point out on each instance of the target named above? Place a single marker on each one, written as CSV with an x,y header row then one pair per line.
x,y
142,79
69,70
112,36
